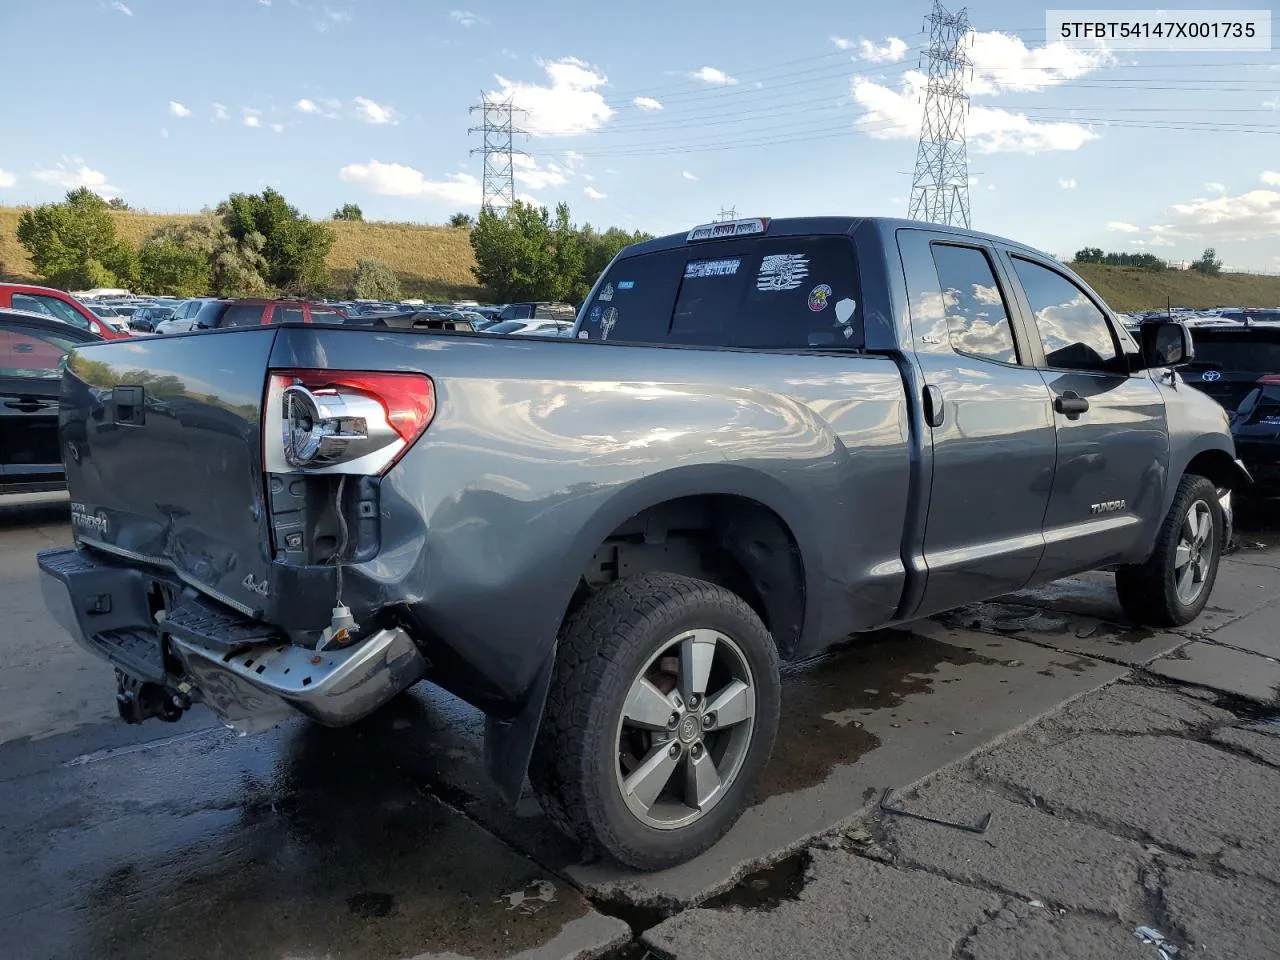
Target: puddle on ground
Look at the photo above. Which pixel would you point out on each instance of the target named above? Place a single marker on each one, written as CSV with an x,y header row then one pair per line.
x,y
766,889
825,700
327,851
1021,619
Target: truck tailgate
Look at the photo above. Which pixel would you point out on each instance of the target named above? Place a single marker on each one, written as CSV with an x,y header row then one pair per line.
x,y
162,439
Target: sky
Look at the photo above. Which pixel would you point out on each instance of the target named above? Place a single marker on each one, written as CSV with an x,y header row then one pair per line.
x,y
652,116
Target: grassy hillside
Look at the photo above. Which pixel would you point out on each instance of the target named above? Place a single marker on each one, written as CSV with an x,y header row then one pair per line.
x,y
432,262
1127,289
435,263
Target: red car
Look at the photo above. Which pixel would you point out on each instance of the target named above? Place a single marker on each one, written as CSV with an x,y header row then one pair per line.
x,y
57,304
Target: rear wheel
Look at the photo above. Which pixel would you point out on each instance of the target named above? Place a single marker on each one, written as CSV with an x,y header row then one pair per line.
x,y
661,716
1172,587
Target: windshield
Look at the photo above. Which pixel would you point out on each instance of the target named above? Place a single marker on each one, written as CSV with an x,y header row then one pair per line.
x,y
506,326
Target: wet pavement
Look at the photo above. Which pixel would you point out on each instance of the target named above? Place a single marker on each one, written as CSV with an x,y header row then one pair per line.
x,y
385,840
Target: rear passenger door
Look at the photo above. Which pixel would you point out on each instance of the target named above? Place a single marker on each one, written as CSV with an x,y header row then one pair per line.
x,y
990,419
30,379
1113,442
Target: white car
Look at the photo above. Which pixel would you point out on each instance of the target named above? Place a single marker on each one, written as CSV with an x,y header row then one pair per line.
x,y
185,317
531,328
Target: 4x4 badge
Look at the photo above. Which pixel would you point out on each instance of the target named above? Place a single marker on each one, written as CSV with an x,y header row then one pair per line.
x,y
257,586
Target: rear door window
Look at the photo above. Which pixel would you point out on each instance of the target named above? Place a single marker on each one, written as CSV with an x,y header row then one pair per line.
x,y
773,293
977,321
242,315
326,315
291,315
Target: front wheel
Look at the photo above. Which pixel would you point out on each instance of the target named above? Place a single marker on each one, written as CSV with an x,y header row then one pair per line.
x,y
1172,587
661,716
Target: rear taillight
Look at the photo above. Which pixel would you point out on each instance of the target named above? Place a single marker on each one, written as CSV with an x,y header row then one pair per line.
x,y
343,421
1271,378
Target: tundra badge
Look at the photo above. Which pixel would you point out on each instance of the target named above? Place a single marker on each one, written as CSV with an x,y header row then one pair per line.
x,y
1107,506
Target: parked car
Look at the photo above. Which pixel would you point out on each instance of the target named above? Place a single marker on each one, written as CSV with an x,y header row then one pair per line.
x,y
530,328
774,434
542,310
33,346
220,314
57,304
146,318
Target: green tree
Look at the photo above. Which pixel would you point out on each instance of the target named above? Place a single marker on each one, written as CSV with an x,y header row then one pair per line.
x,y
236,267
1208,263
514,255
1089,255
73,244
118,203
566,257
461,220
293,246
374,280
166,266
348,211
598,250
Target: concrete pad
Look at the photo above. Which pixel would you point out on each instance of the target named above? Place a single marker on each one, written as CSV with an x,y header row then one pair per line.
x,y
1180,794
849,909
278,846
1137,708
1258,632
1230,671
1223,917
1258,554
1074,866
1074,634
1024,932
1259,744
886,711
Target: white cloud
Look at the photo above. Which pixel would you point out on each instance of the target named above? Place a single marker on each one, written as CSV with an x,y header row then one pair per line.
x,y
252,121
265,3
7,179
687,175
178,110
371,112
571,104
1254,215
220,111
1067,184
466,18
332,18
594,194
74,173
1117,226
531,175
647,103
842,43
278,127
572,158
895,114
306,106
1270,178
252,117
891,51
119,7
1002,62
1214,187
713,76
397,180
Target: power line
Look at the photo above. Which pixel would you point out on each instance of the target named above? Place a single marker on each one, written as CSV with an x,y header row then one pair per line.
x,y
940,184
498,132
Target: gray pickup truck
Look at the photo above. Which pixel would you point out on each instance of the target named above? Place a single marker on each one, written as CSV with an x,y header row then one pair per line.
x,y
764,436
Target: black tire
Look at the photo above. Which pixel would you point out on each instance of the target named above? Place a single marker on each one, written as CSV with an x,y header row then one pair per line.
x,y
1148,591
603,646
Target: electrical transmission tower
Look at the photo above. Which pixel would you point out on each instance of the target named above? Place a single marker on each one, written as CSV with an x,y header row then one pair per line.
x,y
940,185
498,132
726,215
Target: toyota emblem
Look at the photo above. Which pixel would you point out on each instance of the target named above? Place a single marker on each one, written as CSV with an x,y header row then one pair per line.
x,y
1211,375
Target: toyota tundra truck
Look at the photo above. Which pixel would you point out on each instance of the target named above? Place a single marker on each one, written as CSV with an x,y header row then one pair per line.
x,y
763,436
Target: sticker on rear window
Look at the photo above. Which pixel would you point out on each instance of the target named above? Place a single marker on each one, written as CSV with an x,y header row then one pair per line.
x,y
607,293
607,322
711,268
625,284
782,271
594,315
819,296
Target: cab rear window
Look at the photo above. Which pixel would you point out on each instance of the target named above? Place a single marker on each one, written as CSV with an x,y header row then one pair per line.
x,y
779,293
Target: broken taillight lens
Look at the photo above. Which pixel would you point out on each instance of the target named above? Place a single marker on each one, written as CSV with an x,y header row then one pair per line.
x,y
343,421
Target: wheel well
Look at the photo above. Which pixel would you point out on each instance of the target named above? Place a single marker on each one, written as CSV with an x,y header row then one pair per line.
x,y
1217,467
737,543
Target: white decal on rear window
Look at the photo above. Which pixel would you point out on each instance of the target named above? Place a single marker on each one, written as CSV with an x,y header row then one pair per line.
x,y
607,322
782,271
607,293
711,268
845,309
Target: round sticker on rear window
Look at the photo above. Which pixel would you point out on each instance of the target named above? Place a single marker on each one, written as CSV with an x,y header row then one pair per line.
x,y
819,297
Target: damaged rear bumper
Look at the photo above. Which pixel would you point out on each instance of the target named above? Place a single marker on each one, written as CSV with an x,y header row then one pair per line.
x,y
245,671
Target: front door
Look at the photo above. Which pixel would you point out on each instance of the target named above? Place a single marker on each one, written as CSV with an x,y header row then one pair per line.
x,y
1113,443
993,445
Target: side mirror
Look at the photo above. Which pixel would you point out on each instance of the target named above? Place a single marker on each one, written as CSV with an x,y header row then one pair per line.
x,y
1166,343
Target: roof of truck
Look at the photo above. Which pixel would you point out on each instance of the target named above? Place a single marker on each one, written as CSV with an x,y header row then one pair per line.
x,y
809,226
